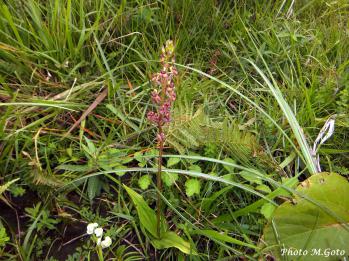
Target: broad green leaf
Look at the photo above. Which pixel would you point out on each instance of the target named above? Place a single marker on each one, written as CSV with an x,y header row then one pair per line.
x,y
216,236
173,161
267,210
144,182
251,177
192,186
169,178
320,224
147,216
171,239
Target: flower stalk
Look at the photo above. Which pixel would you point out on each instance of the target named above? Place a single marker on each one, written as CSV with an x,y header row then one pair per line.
x,y
163,97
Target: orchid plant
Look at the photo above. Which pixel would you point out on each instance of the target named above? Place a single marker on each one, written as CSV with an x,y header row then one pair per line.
x,y
163,97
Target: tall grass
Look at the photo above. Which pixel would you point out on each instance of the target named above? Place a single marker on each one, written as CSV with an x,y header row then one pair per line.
x,y
275,70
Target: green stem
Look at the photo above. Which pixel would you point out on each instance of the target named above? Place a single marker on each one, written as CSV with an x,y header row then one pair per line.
x,y
100,253
159,185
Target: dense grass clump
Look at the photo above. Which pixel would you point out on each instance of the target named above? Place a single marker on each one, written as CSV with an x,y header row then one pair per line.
x,y
257,80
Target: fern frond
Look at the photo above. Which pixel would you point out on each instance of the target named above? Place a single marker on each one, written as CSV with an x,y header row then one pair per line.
x,y
194,129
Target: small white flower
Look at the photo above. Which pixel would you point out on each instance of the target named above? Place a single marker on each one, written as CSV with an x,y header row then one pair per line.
x,y
99,232
98,241
106,242
91,228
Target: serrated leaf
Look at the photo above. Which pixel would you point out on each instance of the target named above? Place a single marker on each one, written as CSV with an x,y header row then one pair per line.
x,y
144,182
110,158
173,161
169,178
138,156
192,187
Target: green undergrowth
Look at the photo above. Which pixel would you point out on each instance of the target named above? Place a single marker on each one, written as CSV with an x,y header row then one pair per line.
x,y
257,81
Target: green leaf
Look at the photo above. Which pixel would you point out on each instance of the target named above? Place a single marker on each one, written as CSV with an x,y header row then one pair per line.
x,y
192,186
110,158
267,210
216,236
251,177
17,191
91,149
263,188
192,161
255,206
230,169
94,187
171,239
144,182
120,167
138,156
169,178
3,236
77,168
207,202
173,161
147,216
195,168
320,224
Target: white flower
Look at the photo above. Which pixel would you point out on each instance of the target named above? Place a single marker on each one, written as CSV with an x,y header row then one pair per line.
x,y
106,242
99,232
91,228
98,241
